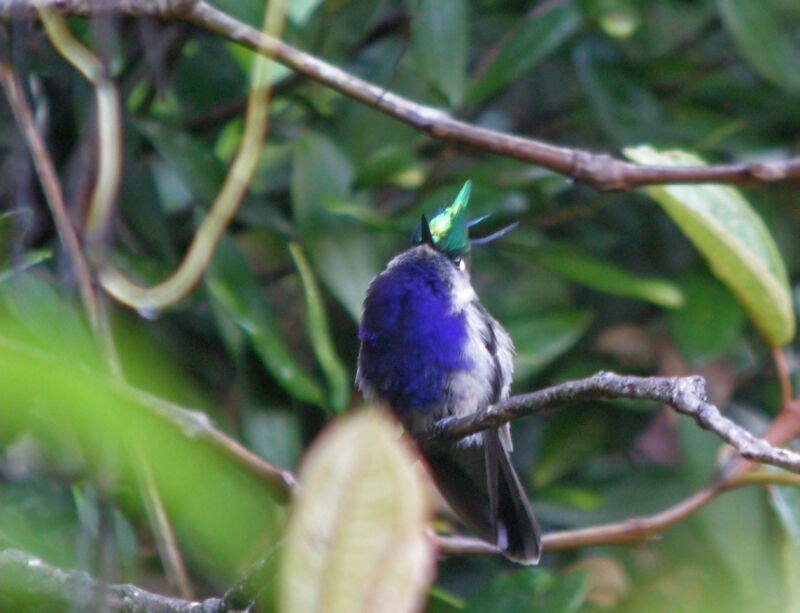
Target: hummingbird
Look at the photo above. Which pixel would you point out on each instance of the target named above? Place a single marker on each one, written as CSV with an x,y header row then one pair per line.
x,y
430,350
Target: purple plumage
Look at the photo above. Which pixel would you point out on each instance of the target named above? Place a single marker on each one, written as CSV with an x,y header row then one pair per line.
x,y
410,336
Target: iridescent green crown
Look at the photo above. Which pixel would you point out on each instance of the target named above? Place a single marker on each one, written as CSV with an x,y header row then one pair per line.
x,y
447,230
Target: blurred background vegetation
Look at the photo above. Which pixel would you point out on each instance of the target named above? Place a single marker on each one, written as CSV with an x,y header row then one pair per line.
x,y
266,344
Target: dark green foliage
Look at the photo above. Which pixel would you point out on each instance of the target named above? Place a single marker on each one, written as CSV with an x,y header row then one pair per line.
x,y
588,281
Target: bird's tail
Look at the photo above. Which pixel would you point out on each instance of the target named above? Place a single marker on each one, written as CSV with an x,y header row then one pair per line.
x,y
483,488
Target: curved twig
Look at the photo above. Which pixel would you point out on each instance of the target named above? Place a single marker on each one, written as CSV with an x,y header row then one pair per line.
x,y
629,531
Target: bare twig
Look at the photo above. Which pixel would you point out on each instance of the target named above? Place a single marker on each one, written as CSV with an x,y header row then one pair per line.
x,y
629,531
51,188
166,544
686,395
602,171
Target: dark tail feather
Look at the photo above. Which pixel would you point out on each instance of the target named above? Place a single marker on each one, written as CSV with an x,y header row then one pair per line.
x,y
483,488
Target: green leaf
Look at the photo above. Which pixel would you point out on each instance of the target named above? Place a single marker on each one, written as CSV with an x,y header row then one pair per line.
x,y
28,260
739,532
10,224
566,446
320,334
732,238
344,255
357,536
365,214
235,290
391,164
299,11
272,433
623,105
531,41
530,590
439,34
541,337
765,33
35,306
708,323
578,267
90,424
200,170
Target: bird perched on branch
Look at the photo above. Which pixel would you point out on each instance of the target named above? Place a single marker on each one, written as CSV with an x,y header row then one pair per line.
x,y
430,350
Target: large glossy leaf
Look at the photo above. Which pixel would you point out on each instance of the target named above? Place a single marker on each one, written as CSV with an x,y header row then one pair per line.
x,y
356,539
732,238
531,40
236,292
439,35
765,33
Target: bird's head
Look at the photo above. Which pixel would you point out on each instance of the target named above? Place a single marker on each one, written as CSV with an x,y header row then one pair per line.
x,y
447,231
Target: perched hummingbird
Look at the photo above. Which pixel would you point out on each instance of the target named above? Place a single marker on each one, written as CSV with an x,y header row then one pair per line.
x,y
431,350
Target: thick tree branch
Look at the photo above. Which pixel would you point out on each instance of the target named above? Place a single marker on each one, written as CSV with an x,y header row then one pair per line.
x,y
687,395
599,170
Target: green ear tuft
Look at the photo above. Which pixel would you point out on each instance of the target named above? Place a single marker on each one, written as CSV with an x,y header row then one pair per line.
x,y
448,227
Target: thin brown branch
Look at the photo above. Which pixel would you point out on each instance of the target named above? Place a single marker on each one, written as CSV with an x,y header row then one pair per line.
x,y
686,395
629,531
196,424
600,170
51,188
166,544
782,372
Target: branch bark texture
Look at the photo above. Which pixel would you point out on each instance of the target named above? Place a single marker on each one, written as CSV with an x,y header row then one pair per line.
x,y
687,395
600,170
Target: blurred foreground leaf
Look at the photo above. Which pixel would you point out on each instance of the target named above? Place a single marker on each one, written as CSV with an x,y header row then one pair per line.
x,y
732,238
356,539
89,423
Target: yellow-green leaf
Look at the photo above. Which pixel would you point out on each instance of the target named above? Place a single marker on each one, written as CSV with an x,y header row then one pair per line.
x,y
356,539
319,332
732,238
